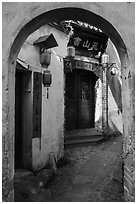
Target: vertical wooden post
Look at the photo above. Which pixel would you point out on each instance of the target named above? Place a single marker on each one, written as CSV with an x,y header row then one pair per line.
x,y
104,100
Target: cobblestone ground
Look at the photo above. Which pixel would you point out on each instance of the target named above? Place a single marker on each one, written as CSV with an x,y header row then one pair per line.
x,y
88,174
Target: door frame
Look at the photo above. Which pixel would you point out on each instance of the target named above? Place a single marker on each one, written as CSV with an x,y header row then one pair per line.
x,y
77,81
26,118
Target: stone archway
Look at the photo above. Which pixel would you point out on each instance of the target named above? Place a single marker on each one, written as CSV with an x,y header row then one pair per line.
x,y
21,27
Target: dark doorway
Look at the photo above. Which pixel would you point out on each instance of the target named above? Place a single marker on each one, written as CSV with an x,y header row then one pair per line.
x,y
23,118
18,119
79,99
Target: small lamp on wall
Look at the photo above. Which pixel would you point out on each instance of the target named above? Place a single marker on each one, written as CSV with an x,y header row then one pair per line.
x,y
110,66
114,71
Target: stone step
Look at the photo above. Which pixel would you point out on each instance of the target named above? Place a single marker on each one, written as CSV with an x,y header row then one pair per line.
x,y
83,137
83,133
83,140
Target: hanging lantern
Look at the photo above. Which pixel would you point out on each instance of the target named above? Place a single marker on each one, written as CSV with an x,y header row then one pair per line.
x,y
45,58
45,43
47,80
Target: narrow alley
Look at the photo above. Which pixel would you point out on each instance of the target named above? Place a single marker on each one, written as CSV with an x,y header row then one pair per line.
x,y
88,174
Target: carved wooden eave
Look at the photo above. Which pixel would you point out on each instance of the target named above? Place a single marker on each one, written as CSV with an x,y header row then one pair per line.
x,y
76,63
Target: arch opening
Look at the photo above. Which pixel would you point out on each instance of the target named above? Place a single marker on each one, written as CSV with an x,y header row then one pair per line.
x,y
61,14
57,15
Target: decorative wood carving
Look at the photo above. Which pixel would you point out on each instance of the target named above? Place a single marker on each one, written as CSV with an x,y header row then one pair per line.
x,y
70,64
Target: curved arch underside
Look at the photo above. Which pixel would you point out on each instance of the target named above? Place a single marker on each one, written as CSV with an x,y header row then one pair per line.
x,y
56,15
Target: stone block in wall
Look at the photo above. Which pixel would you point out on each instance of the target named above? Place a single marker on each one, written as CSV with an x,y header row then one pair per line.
x,y
127,196
10,197
129,181
7,190
129,162
131,198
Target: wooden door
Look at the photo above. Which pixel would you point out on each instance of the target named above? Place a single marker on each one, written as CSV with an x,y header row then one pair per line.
x,y
71,108
79,100
86,102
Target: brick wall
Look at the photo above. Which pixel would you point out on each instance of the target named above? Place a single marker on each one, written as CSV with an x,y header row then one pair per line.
x,y
129,178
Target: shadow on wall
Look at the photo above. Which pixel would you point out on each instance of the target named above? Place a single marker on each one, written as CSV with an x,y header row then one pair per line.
x,y
115,87
115,123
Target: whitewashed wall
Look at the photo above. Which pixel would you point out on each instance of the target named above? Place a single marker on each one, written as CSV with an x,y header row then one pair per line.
x,y
52,138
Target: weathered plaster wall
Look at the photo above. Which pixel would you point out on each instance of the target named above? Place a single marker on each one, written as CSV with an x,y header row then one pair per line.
x,y
117,18
52,138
